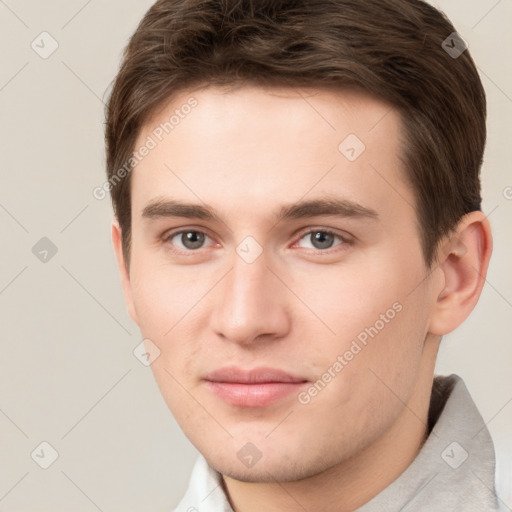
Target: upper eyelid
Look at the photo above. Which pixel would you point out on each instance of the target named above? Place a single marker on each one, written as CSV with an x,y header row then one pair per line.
x,y
341,234
171,234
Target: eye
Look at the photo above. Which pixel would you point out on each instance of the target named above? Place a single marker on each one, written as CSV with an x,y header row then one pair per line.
x,y
190,240
322,239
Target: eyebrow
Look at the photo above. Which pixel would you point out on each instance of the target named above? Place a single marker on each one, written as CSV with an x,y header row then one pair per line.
x,y
162,208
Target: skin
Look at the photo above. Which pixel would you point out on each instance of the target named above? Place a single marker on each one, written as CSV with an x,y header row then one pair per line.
x,y
246,152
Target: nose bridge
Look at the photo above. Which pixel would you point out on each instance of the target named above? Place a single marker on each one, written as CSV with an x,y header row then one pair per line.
x,y
249,281
251,303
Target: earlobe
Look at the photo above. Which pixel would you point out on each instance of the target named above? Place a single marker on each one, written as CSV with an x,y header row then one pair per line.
x,y
117,242
463,260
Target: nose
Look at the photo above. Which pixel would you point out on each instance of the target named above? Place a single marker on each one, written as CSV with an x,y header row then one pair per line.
x,y
251,303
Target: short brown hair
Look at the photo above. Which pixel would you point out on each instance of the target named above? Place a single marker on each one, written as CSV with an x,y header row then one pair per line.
x,y
391,49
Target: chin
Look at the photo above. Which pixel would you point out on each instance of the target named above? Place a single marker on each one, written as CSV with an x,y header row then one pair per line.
x,y
268,469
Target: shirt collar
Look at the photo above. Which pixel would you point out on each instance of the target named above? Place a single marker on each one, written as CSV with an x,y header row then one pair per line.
x,y
454,470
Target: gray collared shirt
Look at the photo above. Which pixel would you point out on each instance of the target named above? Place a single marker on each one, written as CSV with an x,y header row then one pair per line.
x,y
453,471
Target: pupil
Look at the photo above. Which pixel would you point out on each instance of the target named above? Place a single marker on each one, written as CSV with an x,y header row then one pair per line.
x,y
322,240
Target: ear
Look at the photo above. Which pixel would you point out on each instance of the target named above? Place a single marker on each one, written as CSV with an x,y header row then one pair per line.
x,y
463,261
124,272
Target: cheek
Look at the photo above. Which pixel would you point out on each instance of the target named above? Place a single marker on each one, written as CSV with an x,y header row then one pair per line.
x,y
353,300
172,307
163,294
377,316
165,299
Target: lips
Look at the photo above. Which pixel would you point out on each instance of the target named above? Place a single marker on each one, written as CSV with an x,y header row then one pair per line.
x,y
257,387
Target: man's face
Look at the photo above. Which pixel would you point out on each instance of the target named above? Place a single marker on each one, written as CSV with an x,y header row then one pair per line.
x,y
340,302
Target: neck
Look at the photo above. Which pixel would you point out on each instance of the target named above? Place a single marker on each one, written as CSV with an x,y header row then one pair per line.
x,y
355,481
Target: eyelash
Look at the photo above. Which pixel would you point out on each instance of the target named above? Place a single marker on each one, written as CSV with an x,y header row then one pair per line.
x,y
345,241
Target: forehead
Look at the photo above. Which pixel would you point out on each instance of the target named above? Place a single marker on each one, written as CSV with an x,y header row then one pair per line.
x,y
269,146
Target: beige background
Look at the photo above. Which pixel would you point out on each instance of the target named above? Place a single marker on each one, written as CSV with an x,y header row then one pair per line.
x,y
67,372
